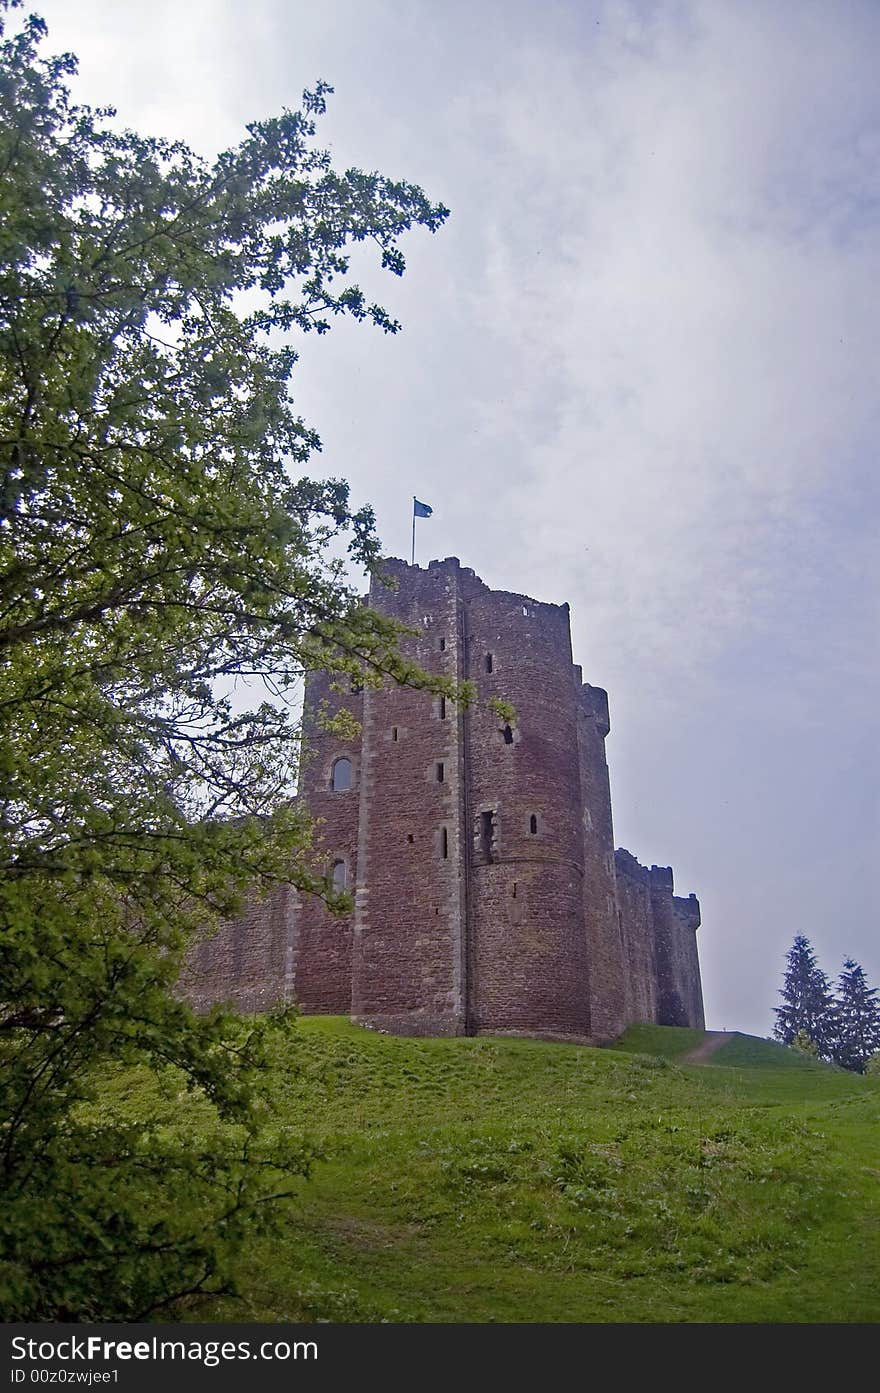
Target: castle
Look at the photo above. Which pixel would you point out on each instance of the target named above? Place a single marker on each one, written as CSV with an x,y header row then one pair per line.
x,y
488,896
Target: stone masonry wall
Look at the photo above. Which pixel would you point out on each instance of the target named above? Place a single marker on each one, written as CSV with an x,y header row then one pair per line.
x,y
322,944
637,923
243,963
659,931
530,962
487,892
408,955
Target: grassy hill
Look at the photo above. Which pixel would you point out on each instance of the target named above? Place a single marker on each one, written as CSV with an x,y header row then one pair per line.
x,y
509,1180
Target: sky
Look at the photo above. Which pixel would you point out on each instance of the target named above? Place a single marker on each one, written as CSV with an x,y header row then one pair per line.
x,y
638,372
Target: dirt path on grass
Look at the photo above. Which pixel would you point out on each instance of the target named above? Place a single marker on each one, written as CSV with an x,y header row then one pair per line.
x,y
706,1048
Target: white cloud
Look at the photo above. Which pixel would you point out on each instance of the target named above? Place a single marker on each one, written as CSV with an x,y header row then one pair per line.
x,y
694,348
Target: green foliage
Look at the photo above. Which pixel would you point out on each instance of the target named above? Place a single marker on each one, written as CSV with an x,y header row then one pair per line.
x,y
858,1019
804,1045
502,709
807,1001
154,549
841,1027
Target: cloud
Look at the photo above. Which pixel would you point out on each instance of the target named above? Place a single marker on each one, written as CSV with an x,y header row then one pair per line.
x,y
638,373
676,271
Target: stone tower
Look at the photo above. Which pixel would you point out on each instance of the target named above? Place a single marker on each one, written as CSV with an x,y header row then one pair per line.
x,y
487,893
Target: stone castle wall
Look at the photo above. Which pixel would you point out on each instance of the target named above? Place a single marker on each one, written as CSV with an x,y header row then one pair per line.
x,y
487,892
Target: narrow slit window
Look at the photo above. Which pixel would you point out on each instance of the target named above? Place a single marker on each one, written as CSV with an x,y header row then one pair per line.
x,y
443,645
441,771
533,825
514,889
508,735
394,733
487,832
443,708
488,662
340,779
444,843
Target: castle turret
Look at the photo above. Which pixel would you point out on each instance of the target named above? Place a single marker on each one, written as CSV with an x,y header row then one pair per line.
x,y
530,960
605,947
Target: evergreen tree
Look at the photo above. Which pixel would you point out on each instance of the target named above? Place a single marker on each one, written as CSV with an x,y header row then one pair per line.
x,y
808,1004
857,1035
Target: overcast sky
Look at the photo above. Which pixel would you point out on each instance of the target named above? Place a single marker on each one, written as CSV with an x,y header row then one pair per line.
x,y
639,372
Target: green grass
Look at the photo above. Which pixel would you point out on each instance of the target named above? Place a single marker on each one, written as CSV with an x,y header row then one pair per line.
x,y
510,1180
750,1052
663,1041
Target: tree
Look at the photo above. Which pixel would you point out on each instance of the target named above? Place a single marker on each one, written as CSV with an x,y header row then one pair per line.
x,y
804,1045
808,1004
858,1019
154,549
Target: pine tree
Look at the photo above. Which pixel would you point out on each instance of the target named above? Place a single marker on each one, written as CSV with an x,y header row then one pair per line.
x,y
858,1019
808,1004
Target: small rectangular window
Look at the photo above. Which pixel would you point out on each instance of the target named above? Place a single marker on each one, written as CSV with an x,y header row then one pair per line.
x,y
441,772
443,708
444,843
394,732
488,662
443,645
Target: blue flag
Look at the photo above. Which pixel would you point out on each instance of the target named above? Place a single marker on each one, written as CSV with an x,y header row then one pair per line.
x,y
421,510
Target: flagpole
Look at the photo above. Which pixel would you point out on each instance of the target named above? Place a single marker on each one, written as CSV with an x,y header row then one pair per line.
x,y
414,531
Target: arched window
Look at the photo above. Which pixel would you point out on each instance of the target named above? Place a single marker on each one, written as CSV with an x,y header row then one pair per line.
x,y
508,735
339,875
533,824
340,779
